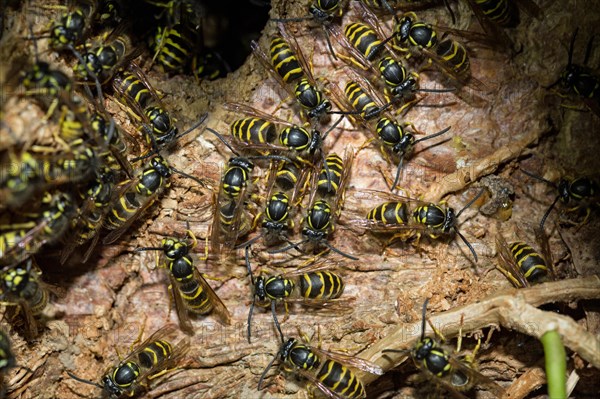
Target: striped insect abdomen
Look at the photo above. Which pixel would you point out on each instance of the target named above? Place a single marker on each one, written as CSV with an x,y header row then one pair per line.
x,y
341,380
321,285
530,262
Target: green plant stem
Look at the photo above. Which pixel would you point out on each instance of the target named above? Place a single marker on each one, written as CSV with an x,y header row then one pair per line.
x,y
556,365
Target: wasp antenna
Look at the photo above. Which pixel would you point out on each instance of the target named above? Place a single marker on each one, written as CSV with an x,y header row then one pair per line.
x,y
73,376
548,212
262,376
448,90
424,322
277,325
450,12
397,178
194,127
431,136
588,50
329,46
249,242
479,194
467,243
148,249
540,178
332,127
247,257
334,249
298,19
222,139
250,323
182,173
287,248
571,47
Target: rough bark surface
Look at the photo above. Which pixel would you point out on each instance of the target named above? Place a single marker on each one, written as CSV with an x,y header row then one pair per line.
x,y
118,292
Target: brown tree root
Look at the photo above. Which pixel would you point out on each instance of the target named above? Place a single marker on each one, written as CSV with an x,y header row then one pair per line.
x,y
484,166
513,309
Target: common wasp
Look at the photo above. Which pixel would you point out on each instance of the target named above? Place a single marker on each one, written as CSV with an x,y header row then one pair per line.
x,y
325,203
7,359
414,37
19,240
152,359
230,221
580,79
22,289
400,141
173,47
407,217
143,105
455,373
191,292
322,12
102,62
494,15
522,264
314,285
288,66
331,372
139,193
578,195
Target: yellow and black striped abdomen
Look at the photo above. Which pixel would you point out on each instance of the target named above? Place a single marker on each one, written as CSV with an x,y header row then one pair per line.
x,y
285,61
133,88
341,380
502,12
329,178
531,264
363,38
360,100
321,285
253,130
154,354
455,56
195,297
390,213
176,45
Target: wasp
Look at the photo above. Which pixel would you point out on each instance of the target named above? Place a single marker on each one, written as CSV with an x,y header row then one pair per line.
x,y
72,26
580,79
408,217
494,15
191,292
173,47
450,56
7,359
314,285
367,50
102,62
401,142
97,197
522,264
26,173
457,374
22,288
139,193
49,226
323,213
331,372
151,359
322,12
581,192
288,66
230,220
210,65
259,131
143,104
